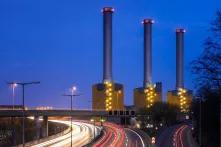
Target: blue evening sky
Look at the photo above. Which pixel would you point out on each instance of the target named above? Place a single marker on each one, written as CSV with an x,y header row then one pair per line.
x,y
60,44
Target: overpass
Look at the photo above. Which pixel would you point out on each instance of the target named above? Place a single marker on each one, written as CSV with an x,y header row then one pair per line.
x,y
54,112
42,128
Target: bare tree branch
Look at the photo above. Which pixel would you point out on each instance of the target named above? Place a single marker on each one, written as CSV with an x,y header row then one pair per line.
x,y
207,68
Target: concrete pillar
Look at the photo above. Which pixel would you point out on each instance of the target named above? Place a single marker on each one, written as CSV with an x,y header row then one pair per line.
x,y
37,127
45,126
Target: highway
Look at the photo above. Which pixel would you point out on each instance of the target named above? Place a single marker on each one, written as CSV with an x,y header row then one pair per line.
x,y
82,133
115,135
176,136
136,138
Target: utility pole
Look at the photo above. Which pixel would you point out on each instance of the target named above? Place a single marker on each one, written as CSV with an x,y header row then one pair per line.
x,y
93,121
71,96
23,84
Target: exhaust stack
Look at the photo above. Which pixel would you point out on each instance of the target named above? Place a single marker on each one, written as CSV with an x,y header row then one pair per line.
x,y
107,43
179,58
147,51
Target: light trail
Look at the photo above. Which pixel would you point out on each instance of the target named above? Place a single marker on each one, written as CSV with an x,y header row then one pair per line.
x,y
138,136
82,134
178,142
114,135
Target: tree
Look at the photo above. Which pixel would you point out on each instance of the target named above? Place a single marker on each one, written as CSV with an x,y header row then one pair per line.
x,y
160,112
207,68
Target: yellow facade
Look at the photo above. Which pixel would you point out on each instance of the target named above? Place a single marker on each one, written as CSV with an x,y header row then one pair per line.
x,y
104,96
182,101
141,99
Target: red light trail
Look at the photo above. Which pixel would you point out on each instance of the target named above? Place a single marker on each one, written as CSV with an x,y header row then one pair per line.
x,y
114,135
178,142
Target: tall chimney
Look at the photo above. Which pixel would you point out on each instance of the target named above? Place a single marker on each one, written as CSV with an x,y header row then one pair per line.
x,y
107,43
179,57
147,51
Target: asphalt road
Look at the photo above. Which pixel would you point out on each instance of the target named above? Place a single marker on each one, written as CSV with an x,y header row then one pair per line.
x,y
117,136
176,136
113,136
136,138
82,133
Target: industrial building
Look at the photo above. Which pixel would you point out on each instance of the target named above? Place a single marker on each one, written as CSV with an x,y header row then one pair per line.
x,y
146,96
107,95
140,98
181,96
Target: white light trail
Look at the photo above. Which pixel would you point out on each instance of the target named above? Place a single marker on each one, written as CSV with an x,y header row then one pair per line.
x,y
138,136
82,133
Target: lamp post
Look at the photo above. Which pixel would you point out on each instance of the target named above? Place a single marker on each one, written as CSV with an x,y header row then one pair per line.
x,y
73,89
23,84
102,121
13,86
92,120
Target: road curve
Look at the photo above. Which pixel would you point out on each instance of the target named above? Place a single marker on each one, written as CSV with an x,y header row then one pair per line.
x,y
117,136
114,136
176,136
82,133
133,139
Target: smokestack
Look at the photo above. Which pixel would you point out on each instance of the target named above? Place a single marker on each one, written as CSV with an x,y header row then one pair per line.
x,y
147,51
107,43
179,57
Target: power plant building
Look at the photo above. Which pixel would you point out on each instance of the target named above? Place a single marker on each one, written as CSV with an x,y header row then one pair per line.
x,y
107,95
180,97
146,96
140,96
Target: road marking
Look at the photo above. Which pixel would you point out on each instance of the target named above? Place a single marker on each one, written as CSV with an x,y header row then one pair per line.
x,y
138,136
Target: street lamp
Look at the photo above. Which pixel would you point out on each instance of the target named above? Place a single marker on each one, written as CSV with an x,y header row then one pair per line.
x,y
13,86
102,121
73,90
23,84
92,120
